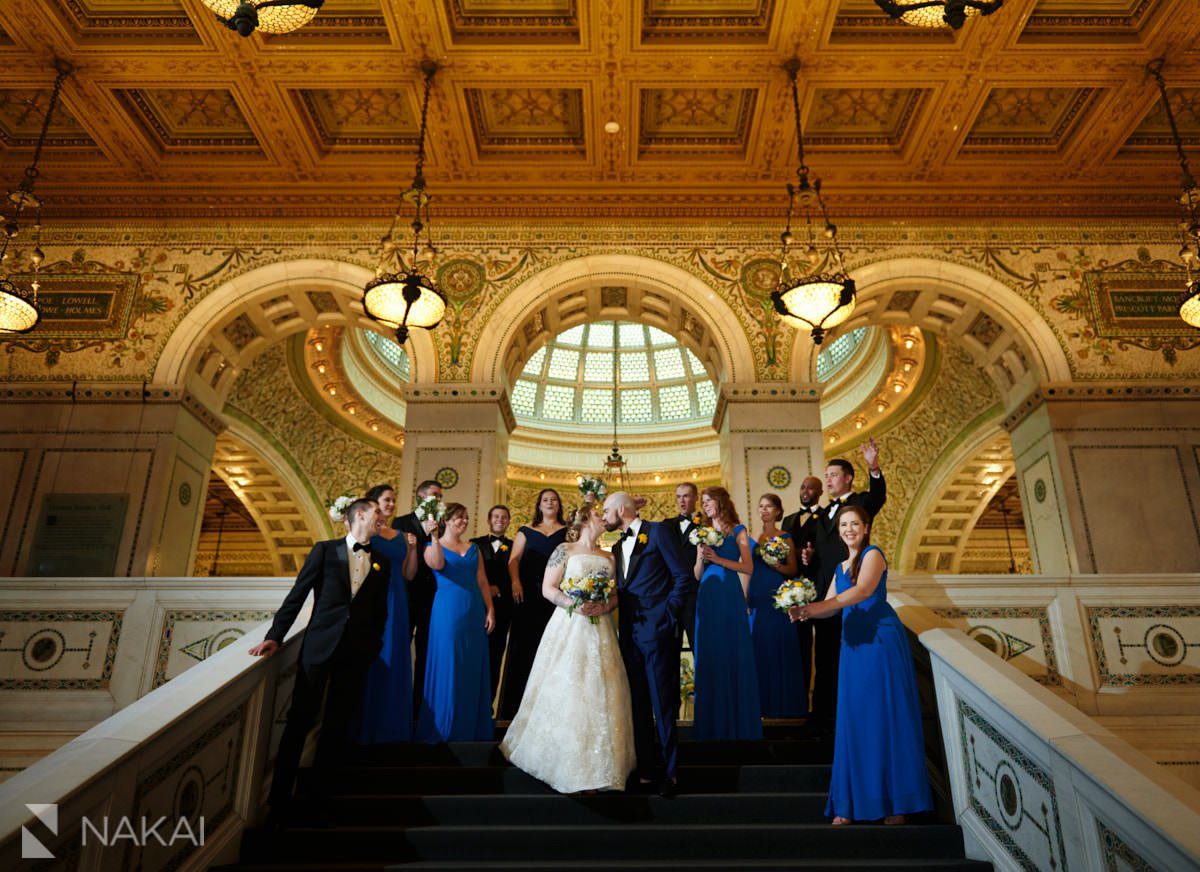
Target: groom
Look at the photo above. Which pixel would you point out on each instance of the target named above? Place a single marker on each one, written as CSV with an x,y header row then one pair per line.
x,y
654,582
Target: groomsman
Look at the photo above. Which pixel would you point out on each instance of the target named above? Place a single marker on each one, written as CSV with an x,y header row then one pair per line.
x,y
680,526
495,548
420,590
345,632
829,552
802,527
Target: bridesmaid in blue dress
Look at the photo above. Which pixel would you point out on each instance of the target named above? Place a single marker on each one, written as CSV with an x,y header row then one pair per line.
x,y
531,550
879,749
782,683
387,714
727,704
456,704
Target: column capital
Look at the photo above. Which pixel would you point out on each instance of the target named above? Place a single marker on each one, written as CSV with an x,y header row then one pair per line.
x,y
461,394
744,393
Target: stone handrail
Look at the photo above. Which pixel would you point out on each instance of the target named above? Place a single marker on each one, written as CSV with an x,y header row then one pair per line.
x,y
1035,783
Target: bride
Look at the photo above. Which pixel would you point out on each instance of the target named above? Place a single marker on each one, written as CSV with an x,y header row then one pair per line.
x,y
574,729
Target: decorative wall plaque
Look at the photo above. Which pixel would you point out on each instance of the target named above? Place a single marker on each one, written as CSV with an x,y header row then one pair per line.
x,y
78,535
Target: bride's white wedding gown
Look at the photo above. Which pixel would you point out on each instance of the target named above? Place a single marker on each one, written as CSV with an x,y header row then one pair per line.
x,y
574,729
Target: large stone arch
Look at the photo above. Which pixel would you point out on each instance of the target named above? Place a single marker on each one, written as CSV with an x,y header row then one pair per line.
x,y
613,286
951,500
1003,333
226,330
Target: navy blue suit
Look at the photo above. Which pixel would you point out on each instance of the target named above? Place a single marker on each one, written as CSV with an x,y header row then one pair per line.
x,y
653,592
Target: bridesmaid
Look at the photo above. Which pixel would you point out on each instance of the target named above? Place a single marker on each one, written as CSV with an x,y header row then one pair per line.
x,y
387,714
727,704
782,684
456,705
878,746
531,551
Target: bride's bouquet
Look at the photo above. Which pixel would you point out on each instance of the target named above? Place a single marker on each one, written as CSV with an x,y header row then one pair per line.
x,y
773,551
796,592
430,507
337,511
710,536
591,587
589,484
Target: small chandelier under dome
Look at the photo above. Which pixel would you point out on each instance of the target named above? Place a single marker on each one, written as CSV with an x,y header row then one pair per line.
x,y
813,301
269,16
1189,203
19,311
938,13
406,297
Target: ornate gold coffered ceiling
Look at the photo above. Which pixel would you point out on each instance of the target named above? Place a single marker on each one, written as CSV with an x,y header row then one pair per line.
x,y
1041,110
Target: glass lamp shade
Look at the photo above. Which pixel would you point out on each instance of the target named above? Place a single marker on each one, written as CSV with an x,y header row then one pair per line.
x,y
17,312
404,301
937,13
1189,307
269,16
816,303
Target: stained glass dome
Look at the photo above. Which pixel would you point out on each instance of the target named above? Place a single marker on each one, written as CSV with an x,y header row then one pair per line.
x,y
569,380
390,352
831,359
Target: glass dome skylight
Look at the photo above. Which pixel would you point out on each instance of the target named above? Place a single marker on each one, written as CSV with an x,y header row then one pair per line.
x,y
569,381
835,355
391,353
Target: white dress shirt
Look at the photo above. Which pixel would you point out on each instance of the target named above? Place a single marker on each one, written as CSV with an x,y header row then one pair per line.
x,y
360,565
628,543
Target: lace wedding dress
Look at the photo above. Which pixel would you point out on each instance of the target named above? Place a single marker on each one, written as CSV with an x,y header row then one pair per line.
x,y
574,729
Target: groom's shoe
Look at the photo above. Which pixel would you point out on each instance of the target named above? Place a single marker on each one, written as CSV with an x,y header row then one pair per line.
x,y
669,788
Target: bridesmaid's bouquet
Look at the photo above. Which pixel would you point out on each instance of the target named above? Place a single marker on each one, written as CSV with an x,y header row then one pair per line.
x,y
337,511
591,587
796,592
430,507
710,536
589,484
687,680
773,551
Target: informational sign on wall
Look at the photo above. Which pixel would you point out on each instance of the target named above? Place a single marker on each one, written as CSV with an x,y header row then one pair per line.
x,y
78,535
1129,302
88,305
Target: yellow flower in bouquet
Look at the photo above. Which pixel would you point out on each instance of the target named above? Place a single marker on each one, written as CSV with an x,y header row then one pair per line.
x,y
795,592
593,587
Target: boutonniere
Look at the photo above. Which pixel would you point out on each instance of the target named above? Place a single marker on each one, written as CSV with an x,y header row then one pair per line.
x,y
642,538
503,547
375,566
698,518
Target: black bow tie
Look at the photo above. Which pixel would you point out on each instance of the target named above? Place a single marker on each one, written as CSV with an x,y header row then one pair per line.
x,y
495,538
358,546
628,532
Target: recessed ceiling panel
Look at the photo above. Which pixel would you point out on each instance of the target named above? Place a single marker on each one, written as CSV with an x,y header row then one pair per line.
x,y
707,20
125,21
361,117
191,119
861,117
1028,118
21,115
1155,130
703,120
522,119
513,21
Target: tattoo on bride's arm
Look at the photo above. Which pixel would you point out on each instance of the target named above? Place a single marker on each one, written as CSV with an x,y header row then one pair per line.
x,y
559,556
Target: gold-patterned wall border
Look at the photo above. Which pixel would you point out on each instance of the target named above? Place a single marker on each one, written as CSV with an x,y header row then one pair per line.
x,y
83,305
1166,640
1006,632
75,649
208,632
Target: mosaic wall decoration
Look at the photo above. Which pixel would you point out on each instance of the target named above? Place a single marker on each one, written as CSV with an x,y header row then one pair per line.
x,y
1116,853
58,650
1011,793
1146,646
1020,634
189,636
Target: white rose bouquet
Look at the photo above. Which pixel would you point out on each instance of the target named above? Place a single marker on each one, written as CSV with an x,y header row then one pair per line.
x,y
773,551
589,484
430,507
710,536
592,587
337,511
796,592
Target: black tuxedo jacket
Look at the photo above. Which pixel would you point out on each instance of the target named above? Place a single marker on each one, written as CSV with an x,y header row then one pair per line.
x,y
802,527
423,581
335,615
686,548
495,562
831,550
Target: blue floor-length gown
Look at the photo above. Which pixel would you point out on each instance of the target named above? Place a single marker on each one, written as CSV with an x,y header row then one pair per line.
x,y
782,683
387,698
879,749
457,702
727,704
